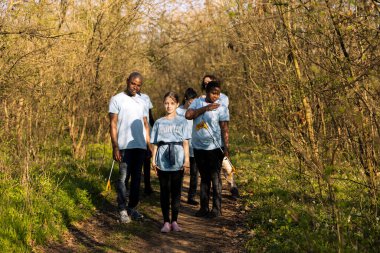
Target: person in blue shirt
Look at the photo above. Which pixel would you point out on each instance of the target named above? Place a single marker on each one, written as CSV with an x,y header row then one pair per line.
x,y
190,95
170,138
224,100
210,132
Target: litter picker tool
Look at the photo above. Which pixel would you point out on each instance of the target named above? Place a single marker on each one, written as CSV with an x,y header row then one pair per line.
x,y
108,186
226,165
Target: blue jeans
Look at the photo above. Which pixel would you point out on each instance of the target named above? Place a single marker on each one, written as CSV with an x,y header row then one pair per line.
x,y
131,163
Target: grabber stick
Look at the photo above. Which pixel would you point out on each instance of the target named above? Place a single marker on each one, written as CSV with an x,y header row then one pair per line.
x,y
108,186
205,125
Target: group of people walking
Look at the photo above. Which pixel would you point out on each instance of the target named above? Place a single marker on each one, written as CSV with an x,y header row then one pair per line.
x,y
192,136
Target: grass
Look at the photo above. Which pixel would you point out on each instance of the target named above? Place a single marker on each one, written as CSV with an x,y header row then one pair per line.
x,y
286,213
41,209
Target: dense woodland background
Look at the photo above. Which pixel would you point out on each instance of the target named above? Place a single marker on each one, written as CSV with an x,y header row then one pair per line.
x,y
303,77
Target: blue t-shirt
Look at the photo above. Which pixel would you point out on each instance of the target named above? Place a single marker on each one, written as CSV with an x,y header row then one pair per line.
x,y
205,138
130,120
173,130
223,99
181,112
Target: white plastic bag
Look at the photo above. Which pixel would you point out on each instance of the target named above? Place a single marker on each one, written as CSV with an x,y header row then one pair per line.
x,y
228,171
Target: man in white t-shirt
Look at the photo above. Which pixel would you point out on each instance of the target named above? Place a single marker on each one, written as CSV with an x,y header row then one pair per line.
x,y
129,130
149,106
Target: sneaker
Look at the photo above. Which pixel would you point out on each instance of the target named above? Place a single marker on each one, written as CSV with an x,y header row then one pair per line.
x,y
175,227
166,228
235,193
135,215
213,214
192,202
124,218
201,213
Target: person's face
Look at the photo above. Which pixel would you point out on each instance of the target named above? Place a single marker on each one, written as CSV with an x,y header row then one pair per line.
x,y
134,86
139,88
189,101
206,80
213,95
170,105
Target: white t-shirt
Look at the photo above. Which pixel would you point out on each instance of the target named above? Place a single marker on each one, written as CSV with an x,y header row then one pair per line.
x,y
208,138
147,101
130,123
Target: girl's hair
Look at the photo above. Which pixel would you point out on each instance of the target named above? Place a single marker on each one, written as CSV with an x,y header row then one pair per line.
x,y
134,75
212,77
190,93
172,95
211,85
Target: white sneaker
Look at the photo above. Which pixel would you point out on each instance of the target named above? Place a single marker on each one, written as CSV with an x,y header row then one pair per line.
x,y
124,218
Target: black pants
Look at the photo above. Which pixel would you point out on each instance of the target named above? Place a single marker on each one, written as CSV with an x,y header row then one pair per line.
x,y
209,163
132,160
147,185
193,179
146,168
170,193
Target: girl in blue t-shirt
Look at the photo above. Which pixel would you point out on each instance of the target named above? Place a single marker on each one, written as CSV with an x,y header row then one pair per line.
x,y
170,135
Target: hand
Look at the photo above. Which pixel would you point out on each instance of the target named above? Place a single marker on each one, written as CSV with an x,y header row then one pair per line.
x,y
186,166
155,167
116,154
212,106
227,153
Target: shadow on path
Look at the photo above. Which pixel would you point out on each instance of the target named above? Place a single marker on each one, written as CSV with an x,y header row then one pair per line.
x,y
104,233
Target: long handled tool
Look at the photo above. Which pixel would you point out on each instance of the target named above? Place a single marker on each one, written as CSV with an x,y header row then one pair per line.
x,y
226,162
108,186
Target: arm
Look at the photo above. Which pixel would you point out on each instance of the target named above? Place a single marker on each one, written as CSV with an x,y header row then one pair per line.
x,y
194,113
147,131
113,133
154,153
151,119
225,136
186,165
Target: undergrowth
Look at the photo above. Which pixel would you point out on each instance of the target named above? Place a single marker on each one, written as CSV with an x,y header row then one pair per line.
x,y
63,191
287,214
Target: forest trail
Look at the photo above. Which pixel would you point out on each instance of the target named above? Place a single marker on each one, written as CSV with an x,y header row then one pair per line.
x,y
103,232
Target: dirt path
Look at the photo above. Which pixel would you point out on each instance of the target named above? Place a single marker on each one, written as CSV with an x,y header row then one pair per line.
x,y
104,233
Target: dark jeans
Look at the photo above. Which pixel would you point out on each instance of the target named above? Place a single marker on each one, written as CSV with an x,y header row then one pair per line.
x,y
146,168
147,185
131,163
193,179
170,193
209,163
